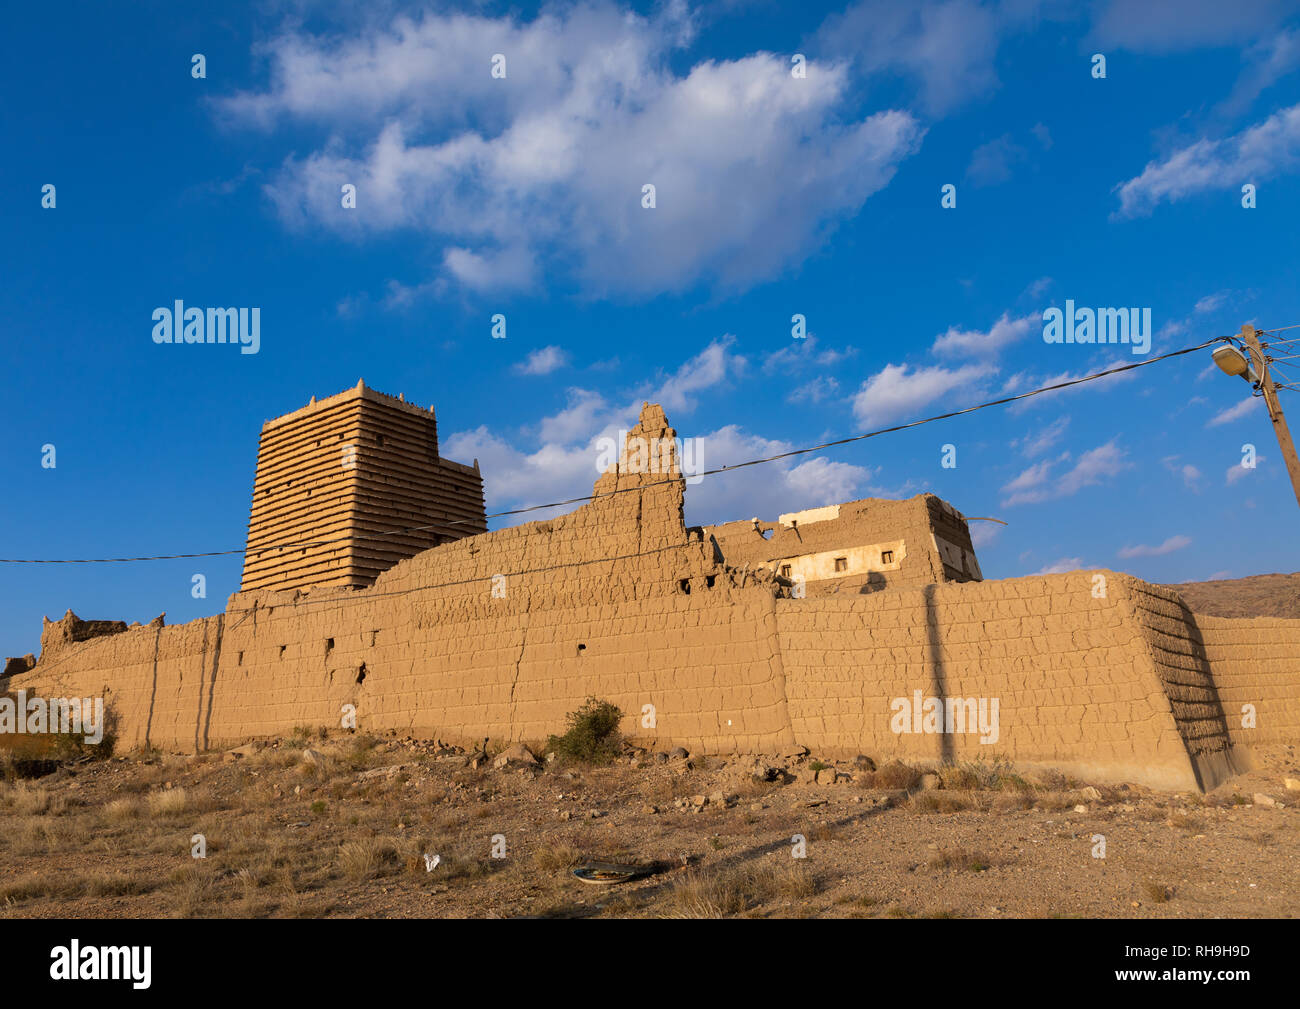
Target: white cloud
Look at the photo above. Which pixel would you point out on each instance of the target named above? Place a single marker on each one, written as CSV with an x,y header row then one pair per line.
x,y
973,343
770,489
1239,472
1211,302
1191,476
1188,24
898,390
1024,381
1264,64
947,46
556,457
1167,547
1038,288
586,414
1261,152
1038,483
1038,442
1228,415
508,269
820,388
1062,566
547,165
543,361
706,369
992,163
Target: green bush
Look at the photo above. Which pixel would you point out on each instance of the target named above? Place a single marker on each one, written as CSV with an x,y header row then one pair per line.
x,y
592,737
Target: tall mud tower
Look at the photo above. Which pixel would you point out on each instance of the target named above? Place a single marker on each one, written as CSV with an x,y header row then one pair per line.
x,y
348,486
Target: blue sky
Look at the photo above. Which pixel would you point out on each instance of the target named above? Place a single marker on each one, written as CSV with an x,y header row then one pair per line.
x,y
522,196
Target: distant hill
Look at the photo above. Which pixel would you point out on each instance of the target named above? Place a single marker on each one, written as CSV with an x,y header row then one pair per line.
x,y
1255,596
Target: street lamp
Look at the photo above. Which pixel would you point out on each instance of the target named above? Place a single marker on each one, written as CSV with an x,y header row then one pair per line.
x,y
1231,361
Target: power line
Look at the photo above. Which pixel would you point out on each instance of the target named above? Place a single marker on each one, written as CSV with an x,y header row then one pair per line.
x,y
642,487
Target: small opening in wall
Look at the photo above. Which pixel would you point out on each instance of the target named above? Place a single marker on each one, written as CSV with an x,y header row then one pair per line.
x,y
685,586
282,648
374,635
581,649
709,580
379,439
841,563
886,557
361,673
240,661
329,645
785,570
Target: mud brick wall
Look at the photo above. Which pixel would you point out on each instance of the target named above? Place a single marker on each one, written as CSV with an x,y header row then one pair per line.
x,y
935,543
1256,662
1174,640
153,679
358,478
1074,675
501,635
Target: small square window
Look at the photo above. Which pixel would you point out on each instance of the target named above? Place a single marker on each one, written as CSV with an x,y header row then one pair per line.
x,y
841,563
785,570
886,557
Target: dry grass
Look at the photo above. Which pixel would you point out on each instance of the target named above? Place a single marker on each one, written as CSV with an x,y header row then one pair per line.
x,y
556,857
169,802
726,892
894,775
1157,893
939,802
25,799
121,809
1183,821
192,890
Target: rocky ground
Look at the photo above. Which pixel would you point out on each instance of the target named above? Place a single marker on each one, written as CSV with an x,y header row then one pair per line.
x,y
342,827
1255,596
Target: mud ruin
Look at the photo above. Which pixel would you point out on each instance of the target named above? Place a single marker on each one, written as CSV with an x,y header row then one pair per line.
x,y
863,627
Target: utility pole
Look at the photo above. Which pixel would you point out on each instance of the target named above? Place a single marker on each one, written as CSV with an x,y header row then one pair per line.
x,y
1280,429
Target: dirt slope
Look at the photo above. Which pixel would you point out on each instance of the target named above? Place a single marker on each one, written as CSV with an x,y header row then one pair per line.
x,y
1255,596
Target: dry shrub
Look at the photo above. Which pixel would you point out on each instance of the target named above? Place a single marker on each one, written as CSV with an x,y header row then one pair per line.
x,y
29,800
1158,893
168,802
731,891
1184,822
117,884
961,859
1054,802
939,802
894,775
956,777
1011,803
191,889
556,857
367,858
